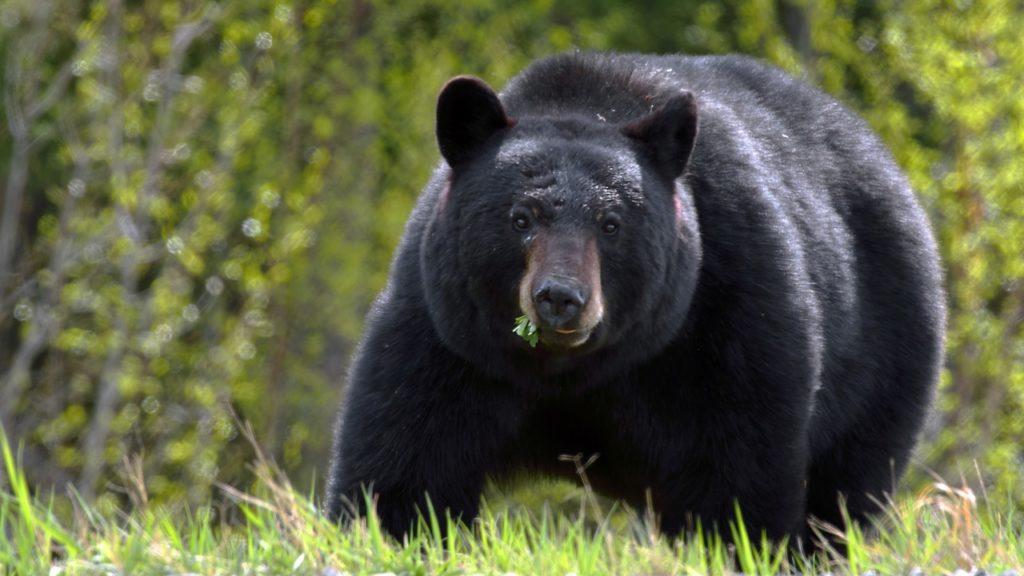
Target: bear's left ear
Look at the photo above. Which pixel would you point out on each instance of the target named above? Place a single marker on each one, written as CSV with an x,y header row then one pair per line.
x,y
668,133
468,113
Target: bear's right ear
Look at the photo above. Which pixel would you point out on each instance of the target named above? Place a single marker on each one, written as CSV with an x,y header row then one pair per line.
x,y
468,113
668,133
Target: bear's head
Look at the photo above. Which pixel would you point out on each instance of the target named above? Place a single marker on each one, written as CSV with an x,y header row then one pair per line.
x,y
585,226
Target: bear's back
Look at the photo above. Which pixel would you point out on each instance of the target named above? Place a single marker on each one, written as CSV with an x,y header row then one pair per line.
x,y
623,87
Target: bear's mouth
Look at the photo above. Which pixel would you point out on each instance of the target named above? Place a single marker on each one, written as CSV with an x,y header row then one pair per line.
x,y
564,338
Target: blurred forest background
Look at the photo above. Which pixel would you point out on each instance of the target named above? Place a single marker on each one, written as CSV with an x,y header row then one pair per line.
x,y
199,199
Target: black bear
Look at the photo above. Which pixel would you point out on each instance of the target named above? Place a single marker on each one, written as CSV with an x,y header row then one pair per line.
x,y
737,300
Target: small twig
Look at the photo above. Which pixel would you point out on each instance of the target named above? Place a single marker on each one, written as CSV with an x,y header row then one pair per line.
x,y
135,481
56,90
239,496
588,490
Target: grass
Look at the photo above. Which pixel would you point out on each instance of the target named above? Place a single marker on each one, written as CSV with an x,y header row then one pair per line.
x,y
279,531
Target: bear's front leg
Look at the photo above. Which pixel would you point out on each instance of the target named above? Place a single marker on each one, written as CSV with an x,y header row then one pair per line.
x,y
735,460
728,438
417,422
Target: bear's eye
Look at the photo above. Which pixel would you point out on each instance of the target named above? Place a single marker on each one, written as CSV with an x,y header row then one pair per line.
x,y
610,226
520,221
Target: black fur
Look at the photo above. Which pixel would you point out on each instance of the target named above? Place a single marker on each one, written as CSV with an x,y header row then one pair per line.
x,y
773,322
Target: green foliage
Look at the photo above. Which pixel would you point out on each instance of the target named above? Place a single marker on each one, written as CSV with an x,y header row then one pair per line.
x,y
526,330
200,200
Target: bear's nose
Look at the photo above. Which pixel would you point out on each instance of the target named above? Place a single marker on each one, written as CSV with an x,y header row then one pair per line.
x,y
559,301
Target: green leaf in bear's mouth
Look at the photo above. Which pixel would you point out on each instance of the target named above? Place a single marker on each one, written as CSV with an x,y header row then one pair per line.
x,y
526,330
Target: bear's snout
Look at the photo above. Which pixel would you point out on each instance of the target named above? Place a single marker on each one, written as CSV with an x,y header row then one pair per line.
x,y
559,302
561,289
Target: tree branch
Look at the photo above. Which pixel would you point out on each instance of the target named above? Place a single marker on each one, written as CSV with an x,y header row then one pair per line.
x,y
45,324
17,176
136,227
